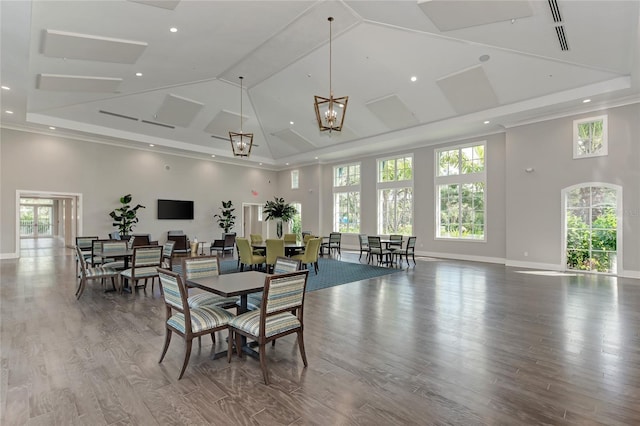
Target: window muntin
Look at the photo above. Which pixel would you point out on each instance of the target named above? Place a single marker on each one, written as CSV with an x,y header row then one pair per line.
x,y
295,179
590,137
395,195
461,192
346,198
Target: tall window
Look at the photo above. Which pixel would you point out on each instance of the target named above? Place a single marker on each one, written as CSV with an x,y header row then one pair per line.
x,y
395,195
346,198
590,137
460,184
296,222
295,177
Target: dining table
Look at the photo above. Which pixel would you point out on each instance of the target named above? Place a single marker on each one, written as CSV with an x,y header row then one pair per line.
x,y
125,254
230,285
289,248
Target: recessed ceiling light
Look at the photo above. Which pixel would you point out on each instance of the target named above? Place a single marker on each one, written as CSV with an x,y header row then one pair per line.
x,y
486,122
213,155
8,112
173,29
52,128
152,145
260,164
291,122
586,101
414,78
316,158
138,74
286,164
6,88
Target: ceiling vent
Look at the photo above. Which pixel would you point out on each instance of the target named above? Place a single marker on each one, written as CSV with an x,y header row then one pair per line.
x,y
562,38
158,124
113,114
555,11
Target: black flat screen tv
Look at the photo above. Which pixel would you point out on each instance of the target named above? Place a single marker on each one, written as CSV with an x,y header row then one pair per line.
x,y
175,209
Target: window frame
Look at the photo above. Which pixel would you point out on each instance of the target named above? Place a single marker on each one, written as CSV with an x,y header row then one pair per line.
x,y
604,151
346,189
459,179
394,184
295,181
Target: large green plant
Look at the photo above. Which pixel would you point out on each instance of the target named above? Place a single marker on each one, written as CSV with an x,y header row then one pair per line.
x,y
125,217
226,218
279,210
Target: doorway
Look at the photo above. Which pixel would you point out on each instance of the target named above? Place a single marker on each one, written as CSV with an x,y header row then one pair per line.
x,y
36,218
252,222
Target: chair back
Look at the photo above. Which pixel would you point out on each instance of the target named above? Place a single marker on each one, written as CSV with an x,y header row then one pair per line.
x,y
111,247
290,238
244,248
275,249
181,242
396,240
411,244
144,256
167,249
255,238
283,292
229,240
284,265
175,232
82,261
311,253
115,235
374,242
364,241
335,237
130,241
141,240
305,233
174,293
84,243
96,247
199,267
307,237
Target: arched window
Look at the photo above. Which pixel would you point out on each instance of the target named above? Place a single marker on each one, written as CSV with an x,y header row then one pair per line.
x,y
591,227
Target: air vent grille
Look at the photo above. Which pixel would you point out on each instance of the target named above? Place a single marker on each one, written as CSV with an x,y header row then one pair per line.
x,y
158,124
562,38
555,11
220,137
113,114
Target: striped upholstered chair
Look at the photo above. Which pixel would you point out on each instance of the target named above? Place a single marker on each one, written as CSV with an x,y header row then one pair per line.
x,y
110,250
282,294
187,322
93,273
167,254
204,266
283,265
146,260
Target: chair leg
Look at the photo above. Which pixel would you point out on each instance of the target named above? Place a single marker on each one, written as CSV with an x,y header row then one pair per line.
x,y
238,344
263,364
83,283
229,346
303,354
187,355
167,340
315,266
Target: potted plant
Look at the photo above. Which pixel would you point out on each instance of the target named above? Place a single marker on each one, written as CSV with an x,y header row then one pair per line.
x,y
226,218
125,217
280,211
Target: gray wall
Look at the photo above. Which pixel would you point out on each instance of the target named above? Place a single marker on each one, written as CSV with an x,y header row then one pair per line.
x,y
103,173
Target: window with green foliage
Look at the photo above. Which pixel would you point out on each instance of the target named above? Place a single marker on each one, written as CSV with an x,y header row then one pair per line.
x,y
346,198
395,195
591,228
295,179
590,137
460,186
296,222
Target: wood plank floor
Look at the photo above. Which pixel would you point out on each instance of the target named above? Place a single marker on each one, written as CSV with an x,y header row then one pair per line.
x,y
446,342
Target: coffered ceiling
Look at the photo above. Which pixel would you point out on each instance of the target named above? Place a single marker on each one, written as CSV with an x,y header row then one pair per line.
x,y
72,65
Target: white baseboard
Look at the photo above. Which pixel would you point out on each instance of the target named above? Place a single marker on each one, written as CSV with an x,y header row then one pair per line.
x,y
8,256
457,256
534,265
630,274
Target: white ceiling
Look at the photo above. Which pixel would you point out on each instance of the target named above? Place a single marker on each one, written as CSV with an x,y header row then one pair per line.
x,y
66,61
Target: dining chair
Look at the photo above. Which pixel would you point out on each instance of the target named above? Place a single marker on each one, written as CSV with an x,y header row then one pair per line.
x,y
109,251
290,238
409,250
247,257
199,267
224,245
167,255
335,239
144,265
364,246
96,249
311,253
182,246
395,242
275,249
257,239
282,265
187,322
84,243
282,294
375,248
93,273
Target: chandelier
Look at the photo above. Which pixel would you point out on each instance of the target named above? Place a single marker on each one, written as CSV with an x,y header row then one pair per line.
x,y
330,111
241,143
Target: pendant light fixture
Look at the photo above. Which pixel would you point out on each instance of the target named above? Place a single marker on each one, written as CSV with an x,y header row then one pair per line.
x,y
241,143
330,111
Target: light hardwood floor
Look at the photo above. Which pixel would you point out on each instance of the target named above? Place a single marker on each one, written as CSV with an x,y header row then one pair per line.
x,y
446,342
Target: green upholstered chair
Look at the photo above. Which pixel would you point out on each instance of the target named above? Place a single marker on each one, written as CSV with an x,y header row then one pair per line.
x,y
93,273
247,257
290,238
187,322
311,253
282,294
275,249
146,260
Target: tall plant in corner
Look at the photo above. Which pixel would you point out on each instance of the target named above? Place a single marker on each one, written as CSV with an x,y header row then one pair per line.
x,y
280,211
226,219
125,217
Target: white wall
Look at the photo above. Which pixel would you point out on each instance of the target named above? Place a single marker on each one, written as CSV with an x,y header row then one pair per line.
x,y
103,173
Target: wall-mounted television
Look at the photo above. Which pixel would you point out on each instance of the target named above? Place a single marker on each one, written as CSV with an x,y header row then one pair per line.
x,y
175,209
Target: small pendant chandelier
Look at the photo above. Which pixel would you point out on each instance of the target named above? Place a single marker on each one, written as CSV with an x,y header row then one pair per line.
x,y
330,111
241,143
